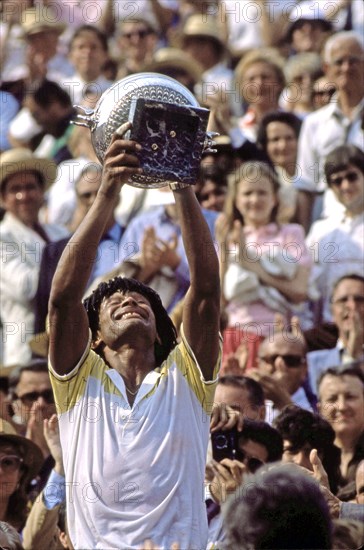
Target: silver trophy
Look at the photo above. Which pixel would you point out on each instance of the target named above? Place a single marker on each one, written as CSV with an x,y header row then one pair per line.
x,y
166,119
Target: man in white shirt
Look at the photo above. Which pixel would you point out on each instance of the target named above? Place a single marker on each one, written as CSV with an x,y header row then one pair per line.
x,y
337,243
23,181
338,123
134,438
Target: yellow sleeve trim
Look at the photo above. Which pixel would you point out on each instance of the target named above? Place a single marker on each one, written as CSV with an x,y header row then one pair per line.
x,y
188,365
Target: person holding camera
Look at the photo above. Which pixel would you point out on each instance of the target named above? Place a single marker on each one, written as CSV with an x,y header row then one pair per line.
x,y
236,454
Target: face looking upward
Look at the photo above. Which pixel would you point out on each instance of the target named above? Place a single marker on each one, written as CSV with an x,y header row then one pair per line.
x,y
255,200
126,319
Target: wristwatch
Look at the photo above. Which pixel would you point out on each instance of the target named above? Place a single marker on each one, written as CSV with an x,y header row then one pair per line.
x,y
178,185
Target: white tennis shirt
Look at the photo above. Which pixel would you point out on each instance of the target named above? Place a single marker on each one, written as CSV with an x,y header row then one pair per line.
x,y
137,472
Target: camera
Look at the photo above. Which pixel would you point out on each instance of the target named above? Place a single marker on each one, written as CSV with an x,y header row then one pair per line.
x,y
224,444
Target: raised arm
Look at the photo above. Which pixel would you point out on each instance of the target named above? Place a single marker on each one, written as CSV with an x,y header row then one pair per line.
x,y
201,312
67,316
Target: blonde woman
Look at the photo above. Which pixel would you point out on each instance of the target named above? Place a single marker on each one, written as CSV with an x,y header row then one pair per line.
x,y
264,265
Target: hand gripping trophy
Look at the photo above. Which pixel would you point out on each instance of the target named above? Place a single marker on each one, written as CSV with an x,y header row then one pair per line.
x,y
166,120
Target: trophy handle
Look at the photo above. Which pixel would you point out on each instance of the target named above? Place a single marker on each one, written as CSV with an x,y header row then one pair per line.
x,y
209,142
86,119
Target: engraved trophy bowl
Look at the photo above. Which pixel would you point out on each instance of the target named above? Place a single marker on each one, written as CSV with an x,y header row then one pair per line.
x,y
172,152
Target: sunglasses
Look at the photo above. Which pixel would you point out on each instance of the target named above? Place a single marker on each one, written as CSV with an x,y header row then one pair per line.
x,y
250,462
10,463
292,361
322,93
214,193
140,34
29,398
349,176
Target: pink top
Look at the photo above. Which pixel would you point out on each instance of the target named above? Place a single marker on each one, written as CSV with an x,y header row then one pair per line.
x,y
257,317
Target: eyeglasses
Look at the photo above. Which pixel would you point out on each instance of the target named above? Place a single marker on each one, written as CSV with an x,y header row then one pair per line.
x,y
29,398
349,176
292,361
330,92
351,60
10,463
250,462
359,300
142,33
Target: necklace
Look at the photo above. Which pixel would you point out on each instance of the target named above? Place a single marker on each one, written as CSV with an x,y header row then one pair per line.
x,y
132,392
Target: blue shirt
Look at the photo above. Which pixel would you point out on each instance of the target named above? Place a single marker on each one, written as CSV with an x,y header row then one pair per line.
x,y
107,252
165,228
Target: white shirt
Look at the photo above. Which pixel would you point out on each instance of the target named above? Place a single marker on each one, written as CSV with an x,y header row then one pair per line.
x,y
337,248
20,256
135,472
321,132
77,88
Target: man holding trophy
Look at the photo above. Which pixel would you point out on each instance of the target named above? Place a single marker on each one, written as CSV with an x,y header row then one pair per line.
x,y
133,404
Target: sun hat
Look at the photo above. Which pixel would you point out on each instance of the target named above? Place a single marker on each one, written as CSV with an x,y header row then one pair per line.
x,y
35,20
31,454
167,58
21,159
197,25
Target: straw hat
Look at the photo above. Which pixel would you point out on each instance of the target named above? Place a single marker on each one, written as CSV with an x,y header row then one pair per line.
x,y
31,454
35,20
22,159
207,27
167,58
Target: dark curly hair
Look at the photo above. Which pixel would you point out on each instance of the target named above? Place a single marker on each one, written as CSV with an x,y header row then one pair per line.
x,y
299,426
164,325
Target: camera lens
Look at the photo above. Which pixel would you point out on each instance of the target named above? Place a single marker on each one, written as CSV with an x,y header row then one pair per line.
x,y
221,442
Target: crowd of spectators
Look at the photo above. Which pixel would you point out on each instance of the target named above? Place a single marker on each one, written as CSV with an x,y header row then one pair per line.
x,y
269,453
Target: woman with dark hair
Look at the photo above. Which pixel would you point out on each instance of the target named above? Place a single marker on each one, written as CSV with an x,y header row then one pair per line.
x,y
278,137
20,461
264,265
